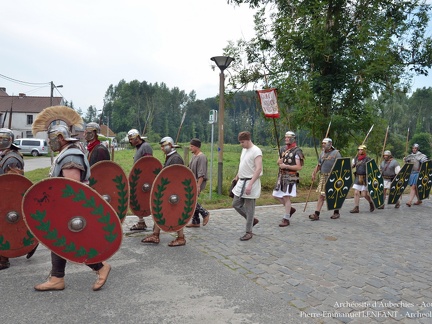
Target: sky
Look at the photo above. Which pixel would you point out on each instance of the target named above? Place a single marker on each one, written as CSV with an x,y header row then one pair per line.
x,y
86,46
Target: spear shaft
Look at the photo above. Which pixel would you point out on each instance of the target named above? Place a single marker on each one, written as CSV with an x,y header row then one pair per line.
x,y
181,125
406,144
364,141
328,129
385,141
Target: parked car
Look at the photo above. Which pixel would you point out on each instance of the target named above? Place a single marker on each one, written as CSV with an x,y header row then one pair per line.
x,y
33,146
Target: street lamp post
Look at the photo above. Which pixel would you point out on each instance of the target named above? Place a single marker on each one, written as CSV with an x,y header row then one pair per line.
x,y
222,62
51,103
52,91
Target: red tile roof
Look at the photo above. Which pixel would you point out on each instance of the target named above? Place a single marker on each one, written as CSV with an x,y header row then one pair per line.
x,y
104,131
26,104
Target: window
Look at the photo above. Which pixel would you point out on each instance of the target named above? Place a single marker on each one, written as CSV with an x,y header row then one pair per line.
x,y
29,119
29,134
30,143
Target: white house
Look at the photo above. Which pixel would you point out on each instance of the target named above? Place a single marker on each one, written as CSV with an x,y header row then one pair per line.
x,y
18,112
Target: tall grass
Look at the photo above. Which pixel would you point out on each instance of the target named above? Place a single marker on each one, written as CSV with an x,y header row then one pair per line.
x,y
231,156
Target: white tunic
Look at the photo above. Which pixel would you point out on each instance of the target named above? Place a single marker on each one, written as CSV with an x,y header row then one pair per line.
x,y
246,170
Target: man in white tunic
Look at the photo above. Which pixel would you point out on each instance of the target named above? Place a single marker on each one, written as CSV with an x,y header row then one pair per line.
x,y
248,187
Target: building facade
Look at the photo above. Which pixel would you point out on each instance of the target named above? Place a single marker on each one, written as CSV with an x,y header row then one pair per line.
x,y
18,112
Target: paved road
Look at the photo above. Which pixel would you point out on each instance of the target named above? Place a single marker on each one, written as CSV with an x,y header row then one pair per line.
x,y
362,268
37,163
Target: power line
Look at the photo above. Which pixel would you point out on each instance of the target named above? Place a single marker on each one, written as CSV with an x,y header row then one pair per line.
x,y
32,84
23,82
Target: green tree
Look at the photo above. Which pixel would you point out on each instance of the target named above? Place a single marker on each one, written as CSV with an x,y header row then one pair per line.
x,y
151,108
419,111
327,57
91,115
424,140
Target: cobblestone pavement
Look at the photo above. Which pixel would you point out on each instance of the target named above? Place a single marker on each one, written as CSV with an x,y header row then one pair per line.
x,y
362,268
370,267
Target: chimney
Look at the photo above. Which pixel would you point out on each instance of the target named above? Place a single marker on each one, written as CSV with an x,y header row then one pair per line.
x,y
21,95
2,89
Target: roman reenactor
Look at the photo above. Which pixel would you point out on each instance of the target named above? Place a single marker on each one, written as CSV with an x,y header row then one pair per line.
x,y
70,163
96,150
360,181
172,157
389,168
143,148
325,164
416,158
290,163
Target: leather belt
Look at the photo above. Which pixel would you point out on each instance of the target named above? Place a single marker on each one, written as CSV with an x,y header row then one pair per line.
x,y
244,185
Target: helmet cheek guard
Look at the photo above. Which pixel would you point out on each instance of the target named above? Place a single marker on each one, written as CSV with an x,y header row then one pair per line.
x,y
91,131
54,131
6,138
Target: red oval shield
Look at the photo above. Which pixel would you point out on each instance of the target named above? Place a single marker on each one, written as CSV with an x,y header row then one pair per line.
x,y
173,197
72,220
110,181
141,178
15,238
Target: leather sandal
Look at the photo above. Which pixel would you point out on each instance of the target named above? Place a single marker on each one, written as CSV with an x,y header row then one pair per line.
x,y
53,283
418,202
4,263
355,210
335,216
314,217
179,241
285,222
246,237
397,205
408,204
102,276
152,238
193,225
140,226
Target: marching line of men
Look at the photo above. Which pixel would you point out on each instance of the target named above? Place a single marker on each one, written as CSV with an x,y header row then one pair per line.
x,y
291,162
246,190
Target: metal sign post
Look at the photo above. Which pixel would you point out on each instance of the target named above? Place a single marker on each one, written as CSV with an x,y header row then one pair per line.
x,y
212,121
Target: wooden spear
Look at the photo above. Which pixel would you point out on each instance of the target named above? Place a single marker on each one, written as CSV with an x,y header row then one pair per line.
x,y
364,141
406,144
181,125
385,141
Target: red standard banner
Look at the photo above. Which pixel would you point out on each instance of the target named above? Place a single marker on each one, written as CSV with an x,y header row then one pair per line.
x,y
268,99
